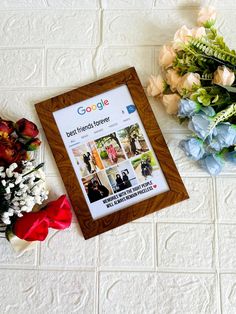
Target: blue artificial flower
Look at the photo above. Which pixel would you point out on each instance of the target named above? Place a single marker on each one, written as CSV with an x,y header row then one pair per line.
x,y
193,148
231,156
225,136
213,163
199,124
187,108
209,111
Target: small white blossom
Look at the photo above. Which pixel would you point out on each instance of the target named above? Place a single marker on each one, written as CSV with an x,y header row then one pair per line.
x,y
18,179
13,166
29,189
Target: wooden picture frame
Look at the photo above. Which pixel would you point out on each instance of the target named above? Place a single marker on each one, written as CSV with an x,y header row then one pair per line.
x,y
48,110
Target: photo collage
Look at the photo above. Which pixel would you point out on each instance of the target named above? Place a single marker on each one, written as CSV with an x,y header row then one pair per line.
x,y
115,162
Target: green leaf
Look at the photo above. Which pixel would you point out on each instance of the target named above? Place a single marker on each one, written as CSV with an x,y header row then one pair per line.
x,y
230,89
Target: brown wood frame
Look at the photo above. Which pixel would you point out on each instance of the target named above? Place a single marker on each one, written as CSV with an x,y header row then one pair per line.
x,y
89,226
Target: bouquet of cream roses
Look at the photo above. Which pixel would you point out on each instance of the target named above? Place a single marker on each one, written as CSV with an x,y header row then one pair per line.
x,y
197,84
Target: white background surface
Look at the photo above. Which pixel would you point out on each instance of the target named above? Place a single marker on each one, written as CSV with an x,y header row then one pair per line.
x,y
181,260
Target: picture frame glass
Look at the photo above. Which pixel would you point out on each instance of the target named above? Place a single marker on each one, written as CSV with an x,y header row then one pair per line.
x,y
110,152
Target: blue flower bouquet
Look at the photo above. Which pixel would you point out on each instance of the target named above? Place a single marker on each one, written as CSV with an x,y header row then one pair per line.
x,y
197,84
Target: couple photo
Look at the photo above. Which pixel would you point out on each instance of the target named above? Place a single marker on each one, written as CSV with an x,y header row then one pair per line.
x,y
97,186
132,140
121,176
87,158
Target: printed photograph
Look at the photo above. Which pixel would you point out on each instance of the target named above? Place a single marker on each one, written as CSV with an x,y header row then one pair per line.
x,y
132,140
145,166
110,150
121,176
97,186
87,158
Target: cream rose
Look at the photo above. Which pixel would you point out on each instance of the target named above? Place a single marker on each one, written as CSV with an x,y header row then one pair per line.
x,y
171,103
181,37
198,32
156,85
206,17
223,76
188,81
173,79
166,56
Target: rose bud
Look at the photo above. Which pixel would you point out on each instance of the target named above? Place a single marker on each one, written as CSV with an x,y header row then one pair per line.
x,y
6,128
26,128
33,144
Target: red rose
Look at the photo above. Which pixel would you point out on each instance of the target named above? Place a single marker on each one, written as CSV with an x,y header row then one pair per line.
x,y
11,151
34,225
26,128
6,128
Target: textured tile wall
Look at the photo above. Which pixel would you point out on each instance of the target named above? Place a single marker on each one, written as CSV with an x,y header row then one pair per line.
x,y
180,260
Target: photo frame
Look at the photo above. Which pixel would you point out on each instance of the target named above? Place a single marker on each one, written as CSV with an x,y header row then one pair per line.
x,y
110,152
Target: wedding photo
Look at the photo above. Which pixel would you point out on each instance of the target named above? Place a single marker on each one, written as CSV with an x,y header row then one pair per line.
x,y
145,166
110,150
87,158
121,176
132,140
97,186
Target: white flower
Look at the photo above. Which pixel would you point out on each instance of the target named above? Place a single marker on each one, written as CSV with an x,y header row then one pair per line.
x,y
18,179
8,190
13,166
30,189
156,85
6,221
206,17
166,56
223,76
9,173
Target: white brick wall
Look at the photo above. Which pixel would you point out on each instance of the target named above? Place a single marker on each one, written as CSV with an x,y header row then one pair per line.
x,y
180,260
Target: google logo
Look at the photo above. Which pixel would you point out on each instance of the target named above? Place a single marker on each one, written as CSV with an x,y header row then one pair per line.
x,y
100,105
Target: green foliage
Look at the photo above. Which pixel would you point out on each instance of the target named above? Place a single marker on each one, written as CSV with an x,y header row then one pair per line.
x,y
211,96
214,50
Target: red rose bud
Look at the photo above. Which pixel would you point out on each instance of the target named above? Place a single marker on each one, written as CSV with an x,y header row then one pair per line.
x,y
33,144
26,128
6,128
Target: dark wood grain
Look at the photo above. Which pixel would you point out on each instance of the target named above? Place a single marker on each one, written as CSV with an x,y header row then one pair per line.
x,y
89,226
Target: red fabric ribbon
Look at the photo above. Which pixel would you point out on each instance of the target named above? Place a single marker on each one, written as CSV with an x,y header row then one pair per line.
x,y
34,225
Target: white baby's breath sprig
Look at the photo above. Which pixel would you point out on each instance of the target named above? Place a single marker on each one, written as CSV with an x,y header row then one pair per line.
x,y
22,190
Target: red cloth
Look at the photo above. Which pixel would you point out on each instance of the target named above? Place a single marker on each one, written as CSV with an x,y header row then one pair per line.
x,y
34,225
